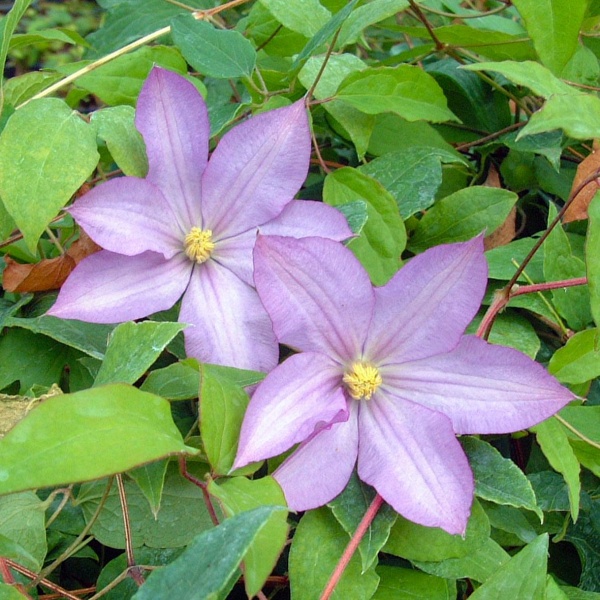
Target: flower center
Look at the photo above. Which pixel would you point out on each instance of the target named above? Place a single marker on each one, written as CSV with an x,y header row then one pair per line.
x,y
362,380
198,244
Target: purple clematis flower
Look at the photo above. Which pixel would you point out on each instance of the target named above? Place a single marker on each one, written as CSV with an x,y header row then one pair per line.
x,y
385,378
188,228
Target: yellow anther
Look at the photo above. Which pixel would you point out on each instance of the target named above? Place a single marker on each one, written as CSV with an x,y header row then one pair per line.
x,y
198,244
362,380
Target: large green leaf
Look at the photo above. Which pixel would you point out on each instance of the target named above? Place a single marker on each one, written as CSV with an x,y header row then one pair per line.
x,y
463,215
408,584
87,435
523,576
411,176
238,495
554,443
417,542
350,507
214,52
404,90
208,567
578,360
183,512
46,152
124,142
383,236
302,16
179,381
498,479
318,544
554,26
132,348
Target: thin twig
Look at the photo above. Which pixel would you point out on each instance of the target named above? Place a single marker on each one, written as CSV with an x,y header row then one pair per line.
x,y
202,485
135,573
45,582
417,10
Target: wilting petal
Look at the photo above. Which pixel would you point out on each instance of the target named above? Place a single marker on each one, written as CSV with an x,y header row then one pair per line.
x,y
320,469
109,288
228,323
256,169
427,305
482,388
316,292
173,120
298,397
129,216
235,253
411,456
304,218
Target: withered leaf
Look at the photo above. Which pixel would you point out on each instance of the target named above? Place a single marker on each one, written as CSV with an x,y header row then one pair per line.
x,y
578,209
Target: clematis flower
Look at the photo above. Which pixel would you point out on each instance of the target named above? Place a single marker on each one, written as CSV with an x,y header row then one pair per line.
x,y
188,228
384,379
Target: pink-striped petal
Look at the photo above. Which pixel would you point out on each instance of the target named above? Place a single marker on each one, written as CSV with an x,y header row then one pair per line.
x,y
320,469
129,216
256,169
316,292
235,253
299,397
228,323
173,120
110,288
411,456
482,388
305,218
427,305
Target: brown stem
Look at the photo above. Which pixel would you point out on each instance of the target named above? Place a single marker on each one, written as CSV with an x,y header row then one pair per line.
x,y
417,10
135,573
45,582
490,137
202,485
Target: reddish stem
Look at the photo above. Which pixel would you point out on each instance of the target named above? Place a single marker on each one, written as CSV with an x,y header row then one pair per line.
x,y
362,528
207,499
504,296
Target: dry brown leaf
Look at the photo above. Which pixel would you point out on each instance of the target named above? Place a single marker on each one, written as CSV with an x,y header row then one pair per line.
x,y
15,408
578,209
49,273
507,231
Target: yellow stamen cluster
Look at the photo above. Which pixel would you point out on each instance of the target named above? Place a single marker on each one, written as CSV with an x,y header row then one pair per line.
x,y
198,244
362,380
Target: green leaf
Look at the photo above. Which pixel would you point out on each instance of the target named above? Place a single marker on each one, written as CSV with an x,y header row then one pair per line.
x,y
325,33
584,535
337,68
510,520
23,87
116,127
407,584
208,567
10,592
302,16
530,74
8,24
578,360
383,236
32,359
238,495
417,542
220,53
554,26
133,348
64,36
317,546
560,262
462,215
23,520
90,338
366,15
46,152
87,435
404,90
479,565
223,403
556,448
179,381
151,480
523,576
356,214
501,261
10,549
350,507
120,80
498,479
412,176
592,252
182,516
